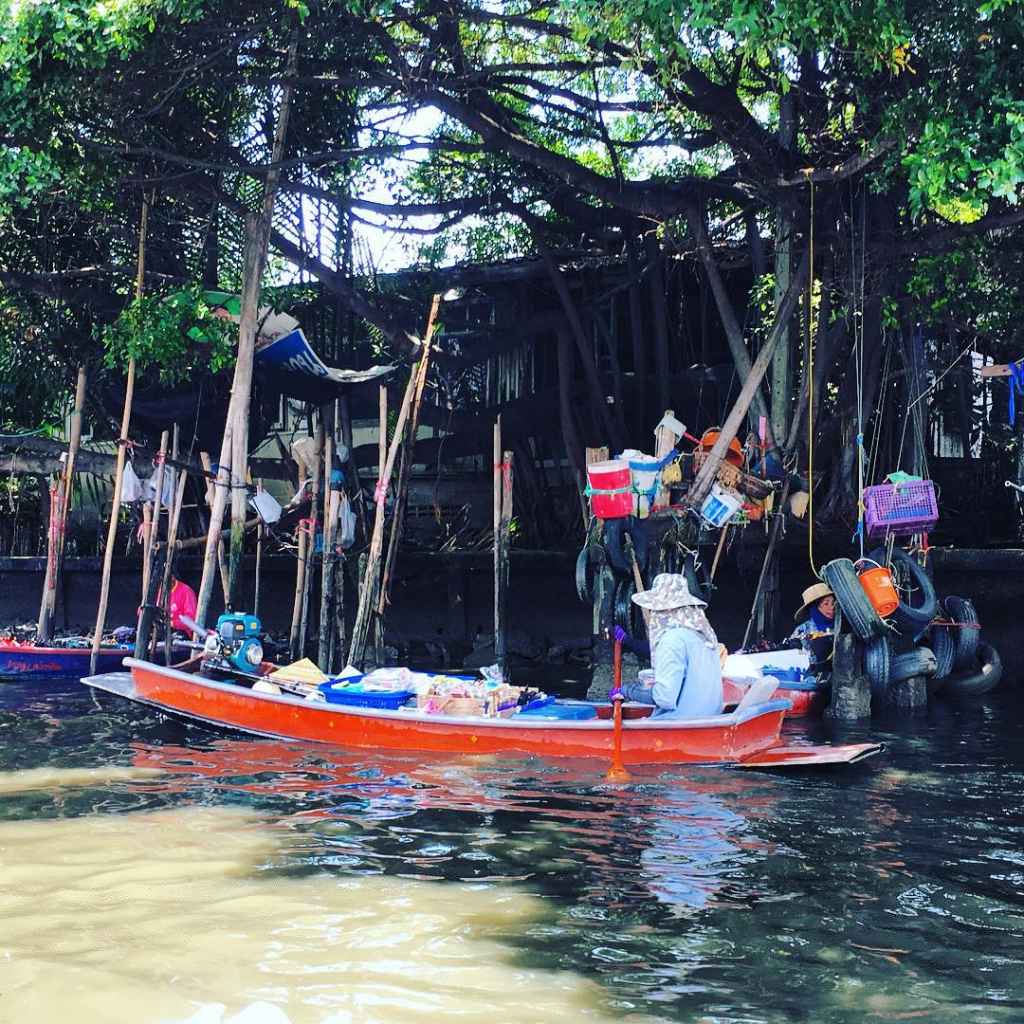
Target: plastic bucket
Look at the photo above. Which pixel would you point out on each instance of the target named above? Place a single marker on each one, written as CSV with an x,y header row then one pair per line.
x,y
733,454
720,506
611,489
881,590
644,471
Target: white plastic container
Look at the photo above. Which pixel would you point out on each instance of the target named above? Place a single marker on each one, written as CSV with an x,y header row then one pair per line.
x,y
720,506
644,471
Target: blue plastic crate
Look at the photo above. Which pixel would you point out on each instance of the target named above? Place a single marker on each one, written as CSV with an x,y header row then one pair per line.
x,y
568,712
356,696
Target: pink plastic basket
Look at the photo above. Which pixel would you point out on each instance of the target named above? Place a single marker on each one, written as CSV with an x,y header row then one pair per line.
x,y
900,509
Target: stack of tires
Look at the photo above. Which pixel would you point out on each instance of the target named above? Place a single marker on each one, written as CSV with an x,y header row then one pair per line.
x,y
937,639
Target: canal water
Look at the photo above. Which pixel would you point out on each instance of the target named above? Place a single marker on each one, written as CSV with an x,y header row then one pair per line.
x,y
156,873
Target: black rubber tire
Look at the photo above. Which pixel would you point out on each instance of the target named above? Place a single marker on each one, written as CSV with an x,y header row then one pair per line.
x,y
857,609
918,662
878,665
695,585
965,638
943,645
584,581
615,547
911,620
984,678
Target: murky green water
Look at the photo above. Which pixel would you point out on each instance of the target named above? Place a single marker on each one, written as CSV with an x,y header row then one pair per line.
x,y
381,888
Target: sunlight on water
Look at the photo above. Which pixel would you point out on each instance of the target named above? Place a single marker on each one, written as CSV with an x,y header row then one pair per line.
x,y
175,915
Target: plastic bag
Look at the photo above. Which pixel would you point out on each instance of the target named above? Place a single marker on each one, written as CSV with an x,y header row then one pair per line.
x,y
167,488
346,524
131,486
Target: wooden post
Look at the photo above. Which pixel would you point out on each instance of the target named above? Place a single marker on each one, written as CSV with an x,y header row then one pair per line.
x,y
173,519
501,561
259,560
151,523
302,540
664,442
407,459
236,431
54,564
314,526
122,449
211,491
496,489
44,628
327,572
371,577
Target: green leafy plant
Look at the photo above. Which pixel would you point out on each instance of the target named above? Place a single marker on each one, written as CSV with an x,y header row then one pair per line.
x,y
176,333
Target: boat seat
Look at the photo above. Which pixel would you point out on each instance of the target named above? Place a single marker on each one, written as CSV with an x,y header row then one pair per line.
x,y
758,692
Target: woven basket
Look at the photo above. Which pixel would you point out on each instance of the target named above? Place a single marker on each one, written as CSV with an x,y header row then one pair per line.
x,y
729,476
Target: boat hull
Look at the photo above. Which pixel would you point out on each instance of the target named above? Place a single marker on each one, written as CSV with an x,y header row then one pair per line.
x,y
733,738
25,661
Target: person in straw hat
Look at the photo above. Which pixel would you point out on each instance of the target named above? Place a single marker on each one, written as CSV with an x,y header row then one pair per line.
x,y
684,652
817,614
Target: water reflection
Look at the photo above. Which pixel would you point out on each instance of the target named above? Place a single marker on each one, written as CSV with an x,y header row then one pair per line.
x,y
891,892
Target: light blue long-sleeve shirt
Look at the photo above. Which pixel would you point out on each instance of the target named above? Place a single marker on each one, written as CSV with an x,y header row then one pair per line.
x,y
687,677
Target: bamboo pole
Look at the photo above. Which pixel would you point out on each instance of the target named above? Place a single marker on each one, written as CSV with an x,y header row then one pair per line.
x,y
314,526
300,577
211,491
326,561
173,518
496,506
43,628
371,577
407,459
259,559
236,430
501,565
48,604
122,449
153,532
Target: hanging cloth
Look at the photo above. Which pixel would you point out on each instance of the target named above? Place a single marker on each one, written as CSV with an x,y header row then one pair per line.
x,y
1016,387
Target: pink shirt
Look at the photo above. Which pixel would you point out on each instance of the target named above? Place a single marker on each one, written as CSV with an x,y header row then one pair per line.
x,y
183,602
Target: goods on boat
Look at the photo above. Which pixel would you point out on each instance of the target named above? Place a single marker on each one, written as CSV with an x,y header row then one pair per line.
x,y
805,690
747,735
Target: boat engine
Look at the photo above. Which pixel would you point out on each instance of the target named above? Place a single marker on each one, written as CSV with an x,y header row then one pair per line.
x,y
236,640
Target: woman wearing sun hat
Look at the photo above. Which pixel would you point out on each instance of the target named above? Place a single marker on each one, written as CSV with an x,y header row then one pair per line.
x,y
817,614
684,652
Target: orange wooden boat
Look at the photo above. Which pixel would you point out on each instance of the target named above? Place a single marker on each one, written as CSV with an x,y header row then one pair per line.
x,y
747,735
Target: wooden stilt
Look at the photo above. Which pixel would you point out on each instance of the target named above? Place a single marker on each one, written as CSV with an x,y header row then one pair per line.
x,y
54,563
122,449
327,572
501,606
259,560
173,519
302,541
371,578
407,459
314,529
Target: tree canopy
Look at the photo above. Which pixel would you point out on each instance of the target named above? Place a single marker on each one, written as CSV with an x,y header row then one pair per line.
x,y
889,131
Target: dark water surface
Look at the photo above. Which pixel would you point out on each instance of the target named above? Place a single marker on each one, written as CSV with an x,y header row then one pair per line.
x,y
890,891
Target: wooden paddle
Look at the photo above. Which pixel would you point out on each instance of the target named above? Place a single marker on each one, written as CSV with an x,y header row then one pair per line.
x,y
617,772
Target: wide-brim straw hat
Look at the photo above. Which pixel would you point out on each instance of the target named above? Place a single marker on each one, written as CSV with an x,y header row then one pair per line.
x,y
669,590
811,596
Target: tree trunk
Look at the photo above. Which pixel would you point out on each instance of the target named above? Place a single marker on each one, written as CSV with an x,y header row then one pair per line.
x,y
733,331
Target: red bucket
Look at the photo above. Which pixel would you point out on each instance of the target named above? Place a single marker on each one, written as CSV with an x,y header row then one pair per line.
x,y
611,489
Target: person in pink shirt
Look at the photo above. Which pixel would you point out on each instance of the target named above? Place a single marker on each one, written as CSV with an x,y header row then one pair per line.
x,y
183,602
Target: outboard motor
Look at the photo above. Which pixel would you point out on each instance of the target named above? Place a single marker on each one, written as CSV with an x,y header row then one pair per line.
x,y
236,640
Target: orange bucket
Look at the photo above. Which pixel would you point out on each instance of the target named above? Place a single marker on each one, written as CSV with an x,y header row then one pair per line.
x,y
881,590
733,454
